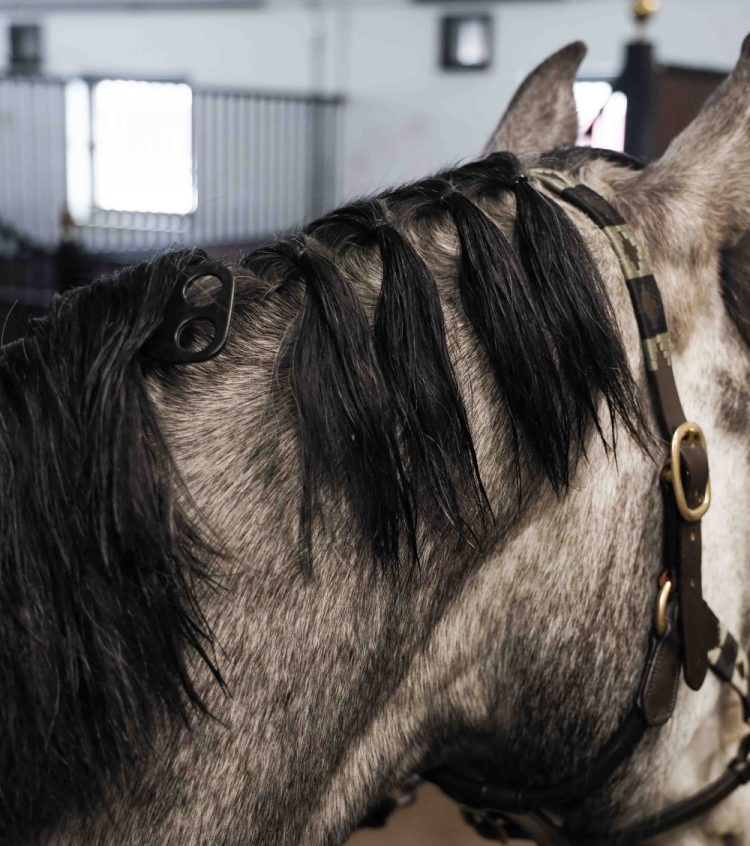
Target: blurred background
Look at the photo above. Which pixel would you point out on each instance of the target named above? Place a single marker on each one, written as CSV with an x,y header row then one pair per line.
x,y
127,127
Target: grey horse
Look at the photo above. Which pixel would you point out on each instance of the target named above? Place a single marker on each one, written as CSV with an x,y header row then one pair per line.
x,y
324,654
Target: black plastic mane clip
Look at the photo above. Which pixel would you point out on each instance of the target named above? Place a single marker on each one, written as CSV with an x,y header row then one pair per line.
x,y
166,344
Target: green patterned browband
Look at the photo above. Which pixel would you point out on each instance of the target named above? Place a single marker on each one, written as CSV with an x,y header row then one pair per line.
x,y
730,662
644,293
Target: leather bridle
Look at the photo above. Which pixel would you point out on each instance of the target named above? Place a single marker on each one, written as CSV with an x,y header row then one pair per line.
x,y
693,643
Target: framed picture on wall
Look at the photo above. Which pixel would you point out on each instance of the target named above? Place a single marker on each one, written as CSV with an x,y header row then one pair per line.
x,y
466,42
25,54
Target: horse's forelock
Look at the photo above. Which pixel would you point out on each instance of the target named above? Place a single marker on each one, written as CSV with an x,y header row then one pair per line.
x,y
99,561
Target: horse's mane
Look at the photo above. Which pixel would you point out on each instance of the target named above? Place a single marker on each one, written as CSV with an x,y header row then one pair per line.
x,y
100,555
381,415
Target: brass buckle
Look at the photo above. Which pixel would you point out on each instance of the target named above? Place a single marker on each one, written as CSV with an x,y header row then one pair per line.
x,y
690,432
666,586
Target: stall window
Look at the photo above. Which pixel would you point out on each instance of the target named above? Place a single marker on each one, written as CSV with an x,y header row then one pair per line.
x,y
130,147
602,112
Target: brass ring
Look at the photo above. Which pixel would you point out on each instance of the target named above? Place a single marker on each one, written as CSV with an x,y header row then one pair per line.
x,y
660,614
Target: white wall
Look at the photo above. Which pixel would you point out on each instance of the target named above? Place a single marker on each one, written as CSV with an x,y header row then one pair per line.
x,y
405,116
253,48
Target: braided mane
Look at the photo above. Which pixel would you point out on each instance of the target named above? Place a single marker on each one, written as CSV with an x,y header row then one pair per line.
x,y
110,584
381,415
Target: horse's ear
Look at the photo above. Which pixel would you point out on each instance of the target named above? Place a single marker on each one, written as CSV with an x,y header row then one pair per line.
x,y
702,182
542,114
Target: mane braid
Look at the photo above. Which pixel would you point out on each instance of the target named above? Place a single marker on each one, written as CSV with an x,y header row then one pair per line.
x,y
382,420
441,467
347,425
494,294
108,588
578,318
541,312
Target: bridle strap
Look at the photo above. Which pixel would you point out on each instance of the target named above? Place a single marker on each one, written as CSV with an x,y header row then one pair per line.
x,y
544,831
682,536
701,642
736,775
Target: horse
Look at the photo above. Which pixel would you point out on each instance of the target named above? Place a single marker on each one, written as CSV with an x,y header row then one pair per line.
x,y
407,517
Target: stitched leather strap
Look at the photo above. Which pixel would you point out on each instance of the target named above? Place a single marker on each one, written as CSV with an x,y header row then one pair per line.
x,y
682,536
736,775
661,680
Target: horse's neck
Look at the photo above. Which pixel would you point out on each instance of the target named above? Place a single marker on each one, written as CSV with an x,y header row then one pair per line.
x,y
340,684
331,698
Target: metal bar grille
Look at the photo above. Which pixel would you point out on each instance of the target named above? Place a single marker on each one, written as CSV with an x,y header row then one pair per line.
x,y
262,162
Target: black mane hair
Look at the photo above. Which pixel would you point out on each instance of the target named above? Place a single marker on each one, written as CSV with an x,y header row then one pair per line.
x,y
101,554
410,344
381,415
100,563
346,420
